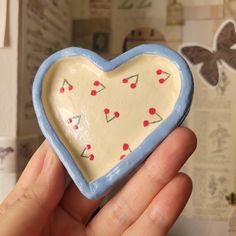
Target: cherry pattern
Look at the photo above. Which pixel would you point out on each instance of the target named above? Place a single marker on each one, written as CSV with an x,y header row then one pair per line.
x,y
66,85
75,120
109,117
100,87
152,111
133,79
126,148
85,152
163,76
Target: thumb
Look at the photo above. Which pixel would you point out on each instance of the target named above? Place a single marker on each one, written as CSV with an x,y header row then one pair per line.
x,y
29,214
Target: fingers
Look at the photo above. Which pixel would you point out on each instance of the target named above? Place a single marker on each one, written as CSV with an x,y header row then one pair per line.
x,y
164,208
73,202
31,211
78,206
29,175
133,199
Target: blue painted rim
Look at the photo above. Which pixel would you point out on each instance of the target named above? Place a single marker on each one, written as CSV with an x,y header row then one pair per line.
x,y
100,186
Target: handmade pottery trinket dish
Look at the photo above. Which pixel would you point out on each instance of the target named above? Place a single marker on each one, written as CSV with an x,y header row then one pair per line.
x,y
103,118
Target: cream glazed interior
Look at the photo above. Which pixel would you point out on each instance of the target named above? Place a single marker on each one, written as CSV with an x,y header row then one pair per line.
x,y
101,117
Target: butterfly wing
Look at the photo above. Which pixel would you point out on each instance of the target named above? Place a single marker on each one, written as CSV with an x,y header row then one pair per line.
x,y
209,69
229,57
210,73
197,54
225,40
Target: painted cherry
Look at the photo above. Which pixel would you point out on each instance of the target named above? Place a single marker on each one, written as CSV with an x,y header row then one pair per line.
x,y
133,78
152,111
106,111
93,92
161,81
146,123
125,146
88,146
125,80
116,114
159,71
122,157
62,90
69,120
75,127
96,83
91,157
68,86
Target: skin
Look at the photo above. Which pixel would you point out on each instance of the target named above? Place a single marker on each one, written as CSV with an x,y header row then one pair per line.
x,y
148,204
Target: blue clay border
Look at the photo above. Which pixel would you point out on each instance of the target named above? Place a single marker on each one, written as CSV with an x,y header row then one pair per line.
x,y
100,186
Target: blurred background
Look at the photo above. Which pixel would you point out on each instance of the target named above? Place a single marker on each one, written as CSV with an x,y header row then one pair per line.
x,y
30,30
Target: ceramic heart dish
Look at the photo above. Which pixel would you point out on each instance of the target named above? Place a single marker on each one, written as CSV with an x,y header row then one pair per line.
x,y
103,118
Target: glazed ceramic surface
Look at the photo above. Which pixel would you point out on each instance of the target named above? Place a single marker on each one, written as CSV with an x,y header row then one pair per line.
x,y
103,118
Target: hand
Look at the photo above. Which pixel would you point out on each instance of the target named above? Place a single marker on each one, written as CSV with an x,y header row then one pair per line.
x,y
148,204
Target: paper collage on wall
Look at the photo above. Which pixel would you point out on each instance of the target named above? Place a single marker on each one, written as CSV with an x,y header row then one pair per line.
x,y
45,29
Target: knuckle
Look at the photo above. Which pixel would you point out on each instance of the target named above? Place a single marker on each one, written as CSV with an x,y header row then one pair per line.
x,y
159,219
121,212
154,174
30,197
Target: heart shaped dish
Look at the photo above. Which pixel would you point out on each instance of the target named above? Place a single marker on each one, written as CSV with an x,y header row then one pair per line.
x,y
103,118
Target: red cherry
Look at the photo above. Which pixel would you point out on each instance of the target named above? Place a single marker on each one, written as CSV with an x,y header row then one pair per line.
x,y
146,123
93,92
88,146
125,146
159,71
106,111
91,157
96,83
125,80
161,81
122,157
116,114
70,87
152,111
75,127
133,86
69,120
62,90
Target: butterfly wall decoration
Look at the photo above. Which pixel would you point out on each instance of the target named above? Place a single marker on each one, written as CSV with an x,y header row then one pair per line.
x,y
211,60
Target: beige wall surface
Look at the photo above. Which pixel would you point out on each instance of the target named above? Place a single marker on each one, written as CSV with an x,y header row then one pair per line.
x,y
8,77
